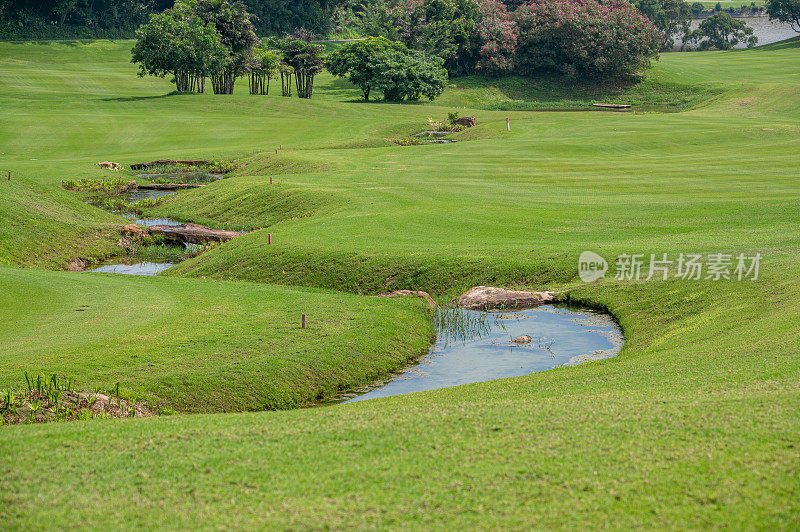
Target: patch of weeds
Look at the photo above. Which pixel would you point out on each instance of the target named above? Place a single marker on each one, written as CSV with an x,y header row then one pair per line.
x,y
191,178
211,167
409,141
114,185
120,205
52,398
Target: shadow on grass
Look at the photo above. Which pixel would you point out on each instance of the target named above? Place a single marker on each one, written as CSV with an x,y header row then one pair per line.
x,y
142,98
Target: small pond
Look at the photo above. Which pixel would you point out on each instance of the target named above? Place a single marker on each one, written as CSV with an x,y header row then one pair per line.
x,y
139,268
475,346
147,222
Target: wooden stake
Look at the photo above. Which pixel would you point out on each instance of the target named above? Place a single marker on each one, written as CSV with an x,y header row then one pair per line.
x,y
304,321
269,238
270,180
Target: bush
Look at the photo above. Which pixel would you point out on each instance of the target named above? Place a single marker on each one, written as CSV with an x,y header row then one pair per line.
x,y
355,60
584,38
408,75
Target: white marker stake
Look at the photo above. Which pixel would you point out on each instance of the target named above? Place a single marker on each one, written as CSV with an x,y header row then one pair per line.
x,y
508,124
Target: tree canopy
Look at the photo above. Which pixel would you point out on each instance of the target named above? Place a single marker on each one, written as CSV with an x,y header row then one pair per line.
x,y
178,43
356,61
786,11
723,32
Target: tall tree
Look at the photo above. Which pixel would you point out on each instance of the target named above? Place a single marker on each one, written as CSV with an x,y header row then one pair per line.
x,y
261,66
232,22
787,11
307,61
671,17
723,32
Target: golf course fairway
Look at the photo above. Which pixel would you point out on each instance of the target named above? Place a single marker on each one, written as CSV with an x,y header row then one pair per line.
x,y
696,424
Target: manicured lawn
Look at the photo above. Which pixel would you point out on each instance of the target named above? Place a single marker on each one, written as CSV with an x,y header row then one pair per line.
x,y
200,346
693,425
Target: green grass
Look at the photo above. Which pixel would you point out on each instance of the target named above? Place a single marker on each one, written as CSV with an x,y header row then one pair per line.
x,y
200,346
693,425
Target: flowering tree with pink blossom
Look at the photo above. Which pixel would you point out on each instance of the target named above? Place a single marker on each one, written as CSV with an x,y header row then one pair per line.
x,y
584,38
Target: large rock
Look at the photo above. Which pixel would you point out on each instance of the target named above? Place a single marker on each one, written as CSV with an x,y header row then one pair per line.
x,y
489,297
192,233
466,121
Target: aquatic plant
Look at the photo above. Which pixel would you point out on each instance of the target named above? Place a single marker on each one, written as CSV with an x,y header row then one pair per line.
x,y
462,325
108,184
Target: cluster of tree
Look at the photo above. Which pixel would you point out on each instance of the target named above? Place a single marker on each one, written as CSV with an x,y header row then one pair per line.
x,y
199,39
378,64
594,38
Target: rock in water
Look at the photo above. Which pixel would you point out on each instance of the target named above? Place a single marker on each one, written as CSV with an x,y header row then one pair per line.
x,y
524,339
489,297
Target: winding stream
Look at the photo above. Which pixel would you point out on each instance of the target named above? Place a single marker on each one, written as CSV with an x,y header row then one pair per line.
x,y
475,346
138,268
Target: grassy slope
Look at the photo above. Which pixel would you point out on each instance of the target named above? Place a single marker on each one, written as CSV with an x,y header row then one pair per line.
x,y
522,209
200,346
693,425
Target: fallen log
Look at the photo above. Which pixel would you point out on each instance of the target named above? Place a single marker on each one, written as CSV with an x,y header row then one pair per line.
x,y
168,186
164,162
192,233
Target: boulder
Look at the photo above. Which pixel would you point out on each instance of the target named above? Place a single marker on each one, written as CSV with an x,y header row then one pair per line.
x,y
466,121
489,297
524,339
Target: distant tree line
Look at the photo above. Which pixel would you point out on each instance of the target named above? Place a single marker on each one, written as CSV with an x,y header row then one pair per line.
x,y
57,19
